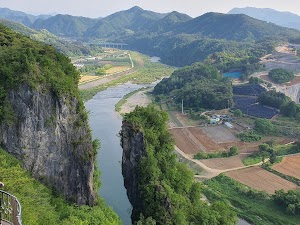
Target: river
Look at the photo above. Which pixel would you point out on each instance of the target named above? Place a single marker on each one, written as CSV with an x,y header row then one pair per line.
x,y
105,124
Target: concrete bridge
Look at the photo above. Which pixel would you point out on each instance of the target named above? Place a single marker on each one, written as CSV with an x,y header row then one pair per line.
x,y
112,45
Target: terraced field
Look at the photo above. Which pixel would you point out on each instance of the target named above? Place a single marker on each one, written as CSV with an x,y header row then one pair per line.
x,y
290,165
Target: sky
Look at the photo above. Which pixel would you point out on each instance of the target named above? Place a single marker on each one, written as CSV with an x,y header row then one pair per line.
x,y
102,8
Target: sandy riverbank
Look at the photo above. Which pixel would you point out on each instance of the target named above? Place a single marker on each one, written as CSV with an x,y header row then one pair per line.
x,y
140,98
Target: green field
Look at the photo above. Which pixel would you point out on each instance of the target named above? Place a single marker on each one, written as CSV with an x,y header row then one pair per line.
x,y
256,207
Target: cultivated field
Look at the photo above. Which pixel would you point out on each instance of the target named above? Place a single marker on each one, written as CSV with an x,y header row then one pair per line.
x,y
192,140
117,69
84,79
261,180
225,163
220,134
183,142
290,165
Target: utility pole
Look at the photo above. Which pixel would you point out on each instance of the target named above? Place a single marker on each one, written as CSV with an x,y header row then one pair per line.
x,y
182,106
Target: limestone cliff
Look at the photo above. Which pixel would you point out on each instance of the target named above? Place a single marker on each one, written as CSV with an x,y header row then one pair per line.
x,y
47,136
132,142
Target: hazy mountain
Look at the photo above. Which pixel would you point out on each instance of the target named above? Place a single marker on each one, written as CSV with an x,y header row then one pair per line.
x,y
65,25
20,17
124,22
233,27
285,19
169,22
68,48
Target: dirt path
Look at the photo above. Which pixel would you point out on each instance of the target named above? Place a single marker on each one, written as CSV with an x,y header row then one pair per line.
x,y
209,172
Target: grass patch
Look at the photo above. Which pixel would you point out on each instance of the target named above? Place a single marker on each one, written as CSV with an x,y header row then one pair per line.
x,y
250,136
256,207
279,150
252,159
41,206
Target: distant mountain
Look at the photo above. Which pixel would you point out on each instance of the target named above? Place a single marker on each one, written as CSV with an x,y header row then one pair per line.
x,y
20,17
68,48
177,38
285,19
233,27
124,22
65,25
169,22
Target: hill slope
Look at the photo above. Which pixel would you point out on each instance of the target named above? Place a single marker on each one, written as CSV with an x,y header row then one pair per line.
x,y
126,22
65,47
20,17
285,19
233,27
65,25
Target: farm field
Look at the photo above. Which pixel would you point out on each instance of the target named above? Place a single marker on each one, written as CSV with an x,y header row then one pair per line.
x,y
261,180
84,79
290,165
183,142
220,134
192,140
117,69
225,163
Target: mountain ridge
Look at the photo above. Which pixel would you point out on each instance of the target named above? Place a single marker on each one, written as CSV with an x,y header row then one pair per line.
x,y
286,19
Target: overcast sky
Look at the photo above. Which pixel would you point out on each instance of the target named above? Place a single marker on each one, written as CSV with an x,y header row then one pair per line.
x,y
101,8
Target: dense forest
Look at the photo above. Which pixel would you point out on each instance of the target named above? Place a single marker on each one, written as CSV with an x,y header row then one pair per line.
x,y
167,187
198,86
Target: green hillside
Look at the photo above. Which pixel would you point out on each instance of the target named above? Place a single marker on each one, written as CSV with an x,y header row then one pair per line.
x,y
124,22
169,22
40,206
20,17
65,25
234,27
65,47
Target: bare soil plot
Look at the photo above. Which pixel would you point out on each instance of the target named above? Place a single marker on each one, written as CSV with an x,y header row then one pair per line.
x,y
207,142
261,180
117,69
225,163
290,165
183,142
296,80
87,78
220,134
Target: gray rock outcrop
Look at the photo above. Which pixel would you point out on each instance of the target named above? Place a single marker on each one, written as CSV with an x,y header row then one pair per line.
x,y
132,142
48,136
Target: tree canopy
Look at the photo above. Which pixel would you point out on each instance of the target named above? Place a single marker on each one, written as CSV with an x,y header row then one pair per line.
x,y
281,75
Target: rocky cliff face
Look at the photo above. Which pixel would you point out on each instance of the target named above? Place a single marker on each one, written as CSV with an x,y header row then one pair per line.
x,y
132,142
51,142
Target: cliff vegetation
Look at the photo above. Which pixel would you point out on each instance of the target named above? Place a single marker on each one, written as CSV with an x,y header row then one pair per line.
x,y
43,206
165,187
